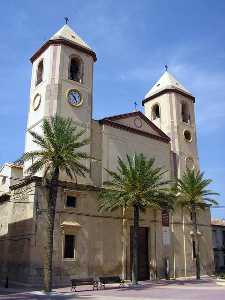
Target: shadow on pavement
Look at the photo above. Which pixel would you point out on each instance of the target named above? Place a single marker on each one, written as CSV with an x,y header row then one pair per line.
x,y
20,293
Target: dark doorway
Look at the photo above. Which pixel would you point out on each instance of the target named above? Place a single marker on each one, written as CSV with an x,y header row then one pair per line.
x,y
143,265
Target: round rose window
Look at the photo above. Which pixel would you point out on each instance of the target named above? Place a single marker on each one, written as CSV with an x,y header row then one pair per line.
x,y
137,123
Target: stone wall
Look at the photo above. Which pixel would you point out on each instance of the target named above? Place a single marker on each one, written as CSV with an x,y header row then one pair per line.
x,y
102,239
16,239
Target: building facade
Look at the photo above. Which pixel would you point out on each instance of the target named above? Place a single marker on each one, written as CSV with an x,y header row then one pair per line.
x,y
218,233
87,242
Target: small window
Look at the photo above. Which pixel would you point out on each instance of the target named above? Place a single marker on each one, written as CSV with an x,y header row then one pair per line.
x,y
71,201
224,238
193,249
40,72
69,246
3,180
185,113
155,112
75,71
215,242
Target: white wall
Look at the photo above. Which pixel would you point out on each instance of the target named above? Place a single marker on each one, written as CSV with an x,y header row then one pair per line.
x,y
118,142
9,175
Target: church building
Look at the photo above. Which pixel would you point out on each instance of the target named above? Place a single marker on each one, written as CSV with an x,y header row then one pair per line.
x,y
88,243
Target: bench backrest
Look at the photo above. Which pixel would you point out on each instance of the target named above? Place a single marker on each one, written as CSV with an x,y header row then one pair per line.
x,y
82,281
109,279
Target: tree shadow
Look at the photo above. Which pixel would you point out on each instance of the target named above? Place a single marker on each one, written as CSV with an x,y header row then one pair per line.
x,y
36,295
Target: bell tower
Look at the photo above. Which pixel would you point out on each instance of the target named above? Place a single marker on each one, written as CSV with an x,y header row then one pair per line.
x,y
171,107
62,83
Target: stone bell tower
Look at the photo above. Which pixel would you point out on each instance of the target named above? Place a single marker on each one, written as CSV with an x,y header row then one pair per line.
x,y
62,82
171,107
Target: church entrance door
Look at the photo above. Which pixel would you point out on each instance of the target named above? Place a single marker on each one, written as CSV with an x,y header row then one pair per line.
x,y
143,264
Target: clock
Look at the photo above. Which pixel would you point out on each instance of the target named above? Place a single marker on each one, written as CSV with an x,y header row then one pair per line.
x,y
36,101
74,98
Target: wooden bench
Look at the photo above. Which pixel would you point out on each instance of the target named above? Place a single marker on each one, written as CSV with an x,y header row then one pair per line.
x,y
83,281
110,279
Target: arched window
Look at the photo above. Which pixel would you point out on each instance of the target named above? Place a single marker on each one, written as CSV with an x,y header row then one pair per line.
x,y
75,70
185,113
40,70
155,112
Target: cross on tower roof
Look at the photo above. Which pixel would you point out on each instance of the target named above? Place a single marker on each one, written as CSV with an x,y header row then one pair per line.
x,y
66,19
166,67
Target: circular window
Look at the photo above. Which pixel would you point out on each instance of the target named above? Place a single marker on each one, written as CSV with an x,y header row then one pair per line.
x,y
187,135
137,123
190,163
36,101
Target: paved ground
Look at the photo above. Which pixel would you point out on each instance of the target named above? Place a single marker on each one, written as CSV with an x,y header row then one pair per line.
x,y
206,289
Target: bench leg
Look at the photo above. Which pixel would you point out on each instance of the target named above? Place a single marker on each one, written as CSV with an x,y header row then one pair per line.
x,y
73,288
102,286
95,286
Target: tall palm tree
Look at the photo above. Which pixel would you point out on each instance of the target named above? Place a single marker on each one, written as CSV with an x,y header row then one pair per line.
x,y
193,194
137,183
59,151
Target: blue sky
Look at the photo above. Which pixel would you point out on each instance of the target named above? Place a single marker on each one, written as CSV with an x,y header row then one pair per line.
x,y
133,41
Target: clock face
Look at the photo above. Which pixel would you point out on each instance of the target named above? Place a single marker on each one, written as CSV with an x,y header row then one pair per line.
x,y
74,98
36,101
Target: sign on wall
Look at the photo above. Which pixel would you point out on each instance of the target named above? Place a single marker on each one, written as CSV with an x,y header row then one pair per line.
x,y
166,236
166,227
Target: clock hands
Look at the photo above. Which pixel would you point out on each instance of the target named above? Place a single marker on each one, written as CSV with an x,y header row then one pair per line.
x,y
75,99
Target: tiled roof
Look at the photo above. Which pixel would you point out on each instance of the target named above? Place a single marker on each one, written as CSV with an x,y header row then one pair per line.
x,y
218,222
167,81
68,34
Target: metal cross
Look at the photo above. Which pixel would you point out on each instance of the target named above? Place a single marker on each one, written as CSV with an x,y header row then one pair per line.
x,y
135,106
166,67
66,19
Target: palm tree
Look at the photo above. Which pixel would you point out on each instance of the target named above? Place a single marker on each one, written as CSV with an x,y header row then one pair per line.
x,y
59,152
192,194
137,183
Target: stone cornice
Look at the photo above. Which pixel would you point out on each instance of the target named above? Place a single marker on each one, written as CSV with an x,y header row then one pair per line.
x,y
65,43
135,131
63,184
169,90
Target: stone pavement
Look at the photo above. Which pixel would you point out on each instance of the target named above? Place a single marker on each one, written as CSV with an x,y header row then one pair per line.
x,y
206,289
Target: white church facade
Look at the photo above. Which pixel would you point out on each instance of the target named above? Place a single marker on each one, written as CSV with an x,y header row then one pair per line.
x,y
88,243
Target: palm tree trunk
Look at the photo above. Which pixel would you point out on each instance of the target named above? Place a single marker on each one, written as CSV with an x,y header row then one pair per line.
x,y
135,245
197,250
51,206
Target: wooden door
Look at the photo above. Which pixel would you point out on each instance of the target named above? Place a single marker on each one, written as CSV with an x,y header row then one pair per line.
x,y
143,264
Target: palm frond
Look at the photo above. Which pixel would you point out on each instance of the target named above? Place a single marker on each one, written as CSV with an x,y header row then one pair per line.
x,y
191,190
136,181
60,147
